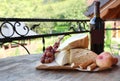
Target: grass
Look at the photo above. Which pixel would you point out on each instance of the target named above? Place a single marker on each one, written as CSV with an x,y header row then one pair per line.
x,y
113,47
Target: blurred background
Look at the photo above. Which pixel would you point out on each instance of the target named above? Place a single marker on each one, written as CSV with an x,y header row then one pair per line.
x,y
51,9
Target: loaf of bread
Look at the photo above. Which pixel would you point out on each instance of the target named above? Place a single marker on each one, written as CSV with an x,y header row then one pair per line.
x,y
76,41
81,55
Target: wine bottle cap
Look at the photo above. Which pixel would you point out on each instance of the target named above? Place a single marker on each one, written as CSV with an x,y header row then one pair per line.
x,y
97,3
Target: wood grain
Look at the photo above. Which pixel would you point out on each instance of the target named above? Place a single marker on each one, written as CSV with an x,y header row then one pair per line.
x,y
22,68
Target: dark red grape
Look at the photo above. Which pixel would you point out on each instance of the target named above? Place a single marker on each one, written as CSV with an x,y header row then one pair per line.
x,y
49,54
56,45
47,60
42,60
50,59
49,48
44,55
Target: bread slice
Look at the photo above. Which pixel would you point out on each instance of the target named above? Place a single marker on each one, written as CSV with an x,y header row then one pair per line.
x,y
76,41
81,55
63,57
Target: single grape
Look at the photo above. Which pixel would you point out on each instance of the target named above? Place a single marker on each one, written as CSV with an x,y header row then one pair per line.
x,y
48,48
46,60
49,54
56,45
42,60
50,59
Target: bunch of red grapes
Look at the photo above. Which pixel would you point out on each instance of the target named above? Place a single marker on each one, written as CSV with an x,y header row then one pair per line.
x,y
49,53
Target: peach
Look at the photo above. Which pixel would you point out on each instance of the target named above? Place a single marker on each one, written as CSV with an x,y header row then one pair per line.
x,y
104,60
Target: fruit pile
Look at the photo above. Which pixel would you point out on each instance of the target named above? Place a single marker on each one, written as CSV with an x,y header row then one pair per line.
x,y
49,53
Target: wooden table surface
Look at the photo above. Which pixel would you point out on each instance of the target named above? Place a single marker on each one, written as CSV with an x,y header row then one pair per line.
x,y
22,68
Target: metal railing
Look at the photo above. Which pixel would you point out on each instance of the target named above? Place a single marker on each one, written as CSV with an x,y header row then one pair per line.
x,y
14,25
68,26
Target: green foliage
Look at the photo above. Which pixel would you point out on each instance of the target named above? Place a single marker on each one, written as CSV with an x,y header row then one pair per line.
x,y
16,52
58,9
108,36
54,9
70,9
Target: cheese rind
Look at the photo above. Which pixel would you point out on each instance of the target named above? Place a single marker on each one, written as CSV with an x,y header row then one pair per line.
x,y
76,41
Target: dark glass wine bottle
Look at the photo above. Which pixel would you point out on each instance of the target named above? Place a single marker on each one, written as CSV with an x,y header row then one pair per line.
x,y
97,30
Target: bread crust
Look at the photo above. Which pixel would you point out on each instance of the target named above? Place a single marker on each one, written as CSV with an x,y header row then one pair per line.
x,y
80,55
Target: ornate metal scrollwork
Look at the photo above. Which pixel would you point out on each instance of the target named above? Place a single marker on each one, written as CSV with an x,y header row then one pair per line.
x,y
23,27
13,29
79,27
4,29
82,26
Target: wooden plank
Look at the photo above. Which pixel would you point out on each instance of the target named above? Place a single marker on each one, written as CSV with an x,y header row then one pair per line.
x,y
22,68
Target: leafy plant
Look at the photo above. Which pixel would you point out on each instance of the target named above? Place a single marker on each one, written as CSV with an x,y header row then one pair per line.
x,y
108,36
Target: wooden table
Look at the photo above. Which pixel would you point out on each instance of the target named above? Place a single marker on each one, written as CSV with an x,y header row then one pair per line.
x,y
22,68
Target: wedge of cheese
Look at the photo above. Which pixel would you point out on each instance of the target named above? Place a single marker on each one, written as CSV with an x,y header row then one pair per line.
x,y
76,41
63,57
81,55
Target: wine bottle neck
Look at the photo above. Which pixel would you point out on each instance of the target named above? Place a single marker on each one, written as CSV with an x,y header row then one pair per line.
x,y
97,9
